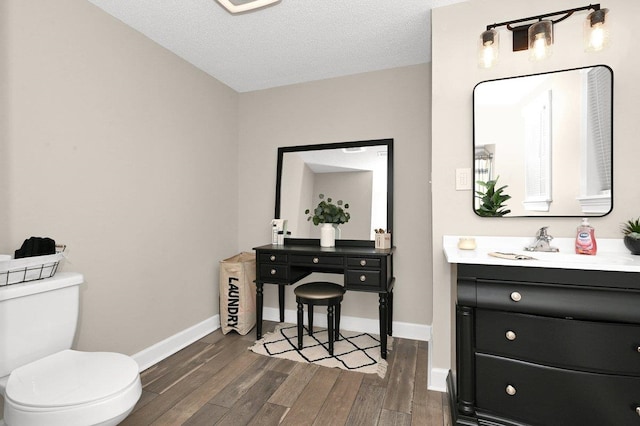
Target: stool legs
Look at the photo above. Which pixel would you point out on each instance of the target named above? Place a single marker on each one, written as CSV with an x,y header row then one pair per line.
x,y
300,316
337,329
310,314
331,327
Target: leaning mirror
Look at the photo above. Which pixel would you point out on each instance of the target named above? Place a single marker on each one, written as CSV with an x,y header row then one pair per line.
x,y
546,141
358,173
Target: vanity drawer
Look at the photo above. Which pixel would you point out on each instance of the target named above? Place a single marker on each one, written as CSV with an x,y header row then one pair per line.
x,y
363,262
541,395
613,305
274,257
363,278
274,272
311,260
594,346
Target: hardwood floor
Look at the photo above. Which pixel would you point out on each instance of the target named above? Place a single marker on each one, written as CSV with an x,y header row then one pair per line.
x,y
218,381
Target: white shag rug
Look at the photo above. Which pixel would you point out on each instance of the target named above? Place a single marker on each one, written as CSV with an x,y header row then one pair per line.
x,y
354,351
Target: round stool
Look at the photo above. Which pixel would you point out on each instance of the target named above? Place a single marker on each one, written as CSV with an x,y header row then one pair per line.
x,y
323,294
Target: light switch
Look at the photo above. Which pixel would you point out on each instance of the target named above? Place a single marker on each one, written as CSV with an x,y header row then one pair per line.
x,y
463,179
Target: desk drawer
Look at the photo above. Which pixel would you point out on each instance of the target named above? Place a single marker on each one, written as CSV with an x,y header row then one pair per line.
x,y
363,278
311,260
274,257
363,262
594,346
270,273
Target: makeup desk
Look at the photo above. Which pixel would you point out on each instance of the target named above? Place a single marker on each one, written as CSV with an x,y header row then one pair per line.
x,y
364,268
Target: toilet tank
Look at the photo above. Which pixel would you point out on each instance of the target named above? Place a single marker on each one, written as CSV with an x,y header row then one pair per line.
x,y
37,318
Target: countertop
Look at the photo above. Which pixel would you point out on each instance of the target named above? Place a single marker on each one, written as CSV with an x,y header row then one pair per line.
x,y
612,255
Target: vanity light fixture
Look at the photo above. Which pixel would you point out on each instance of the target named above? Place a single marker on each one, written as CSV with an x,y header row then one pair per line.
x,y
538,37
239,6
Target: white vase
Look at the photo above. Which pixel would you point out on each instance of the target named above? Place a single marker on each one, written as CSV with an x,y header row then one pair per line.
x,y
327,235
338,231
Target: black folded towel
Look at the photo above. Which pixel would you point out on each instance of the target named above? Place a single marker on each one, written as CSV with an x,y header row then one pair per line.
x,y
36,246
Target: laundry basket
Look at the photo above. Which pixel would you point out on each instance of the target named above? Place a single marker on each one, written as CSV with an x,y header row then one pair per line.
x,y
238,293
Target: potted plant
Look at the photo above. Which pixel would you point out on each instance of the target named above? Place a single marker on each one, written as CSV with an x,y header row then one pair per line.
x,y
631,231
330,215
492,199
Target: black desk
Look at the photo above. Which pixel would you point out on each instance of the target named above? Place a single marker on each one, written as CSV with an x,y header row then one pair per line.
x,y
364,268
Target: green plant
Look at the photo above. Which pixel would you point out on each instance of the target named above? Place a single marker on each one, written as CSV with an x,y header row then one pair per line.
x,y
327,212
492,199
631,228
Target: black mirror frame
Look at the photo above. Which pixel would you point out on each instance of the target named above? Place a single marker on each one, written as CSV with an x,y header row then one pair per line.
x,y
338,145
473,142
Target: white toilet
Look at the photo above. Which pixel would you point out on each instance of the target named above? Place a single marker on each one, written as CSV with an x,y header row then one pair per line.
x,y
42,380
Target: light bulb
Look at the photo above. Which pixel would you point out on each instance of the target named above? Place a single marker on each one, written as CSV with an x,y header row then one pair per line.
x,y
539,47
596,30
540,40
488,48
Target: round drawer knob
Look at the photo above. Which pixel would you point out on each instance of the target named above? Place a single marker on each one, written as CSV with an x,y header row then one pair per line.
x,y
638,411
363,262
515,296
363,278
510,390
510,335
273,272
638,348
315,260
272,258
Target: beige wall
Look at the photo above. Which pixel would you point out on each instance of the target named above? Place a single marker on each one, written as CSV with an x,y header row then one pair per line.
x,y
455,73
152,171
127,154
385,104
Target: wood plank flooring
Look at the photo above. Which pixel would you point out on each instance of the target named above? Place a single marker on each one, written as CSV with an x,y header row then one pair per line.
x,y
218,381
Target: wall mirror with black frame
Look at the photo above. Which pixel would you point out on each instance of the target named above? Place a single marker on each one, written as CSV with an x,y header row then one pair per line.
x,y
548,140
359,173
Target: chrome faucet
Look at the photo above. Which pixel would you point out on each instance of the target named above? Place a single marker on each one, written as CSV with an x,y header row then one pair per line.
x,y
542,241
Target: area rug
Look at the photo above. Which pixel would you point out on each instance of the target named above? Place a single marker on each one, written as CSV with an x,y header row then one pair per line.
x,y
354,351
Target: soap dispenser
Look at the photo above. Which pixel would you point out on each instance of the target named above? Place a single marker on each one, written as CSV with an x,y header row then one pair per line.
x,y
586,239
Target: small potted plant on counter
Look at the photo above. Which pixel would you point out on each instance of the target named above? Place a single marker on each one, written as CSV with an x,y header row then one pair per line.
x,y
330,215
631,231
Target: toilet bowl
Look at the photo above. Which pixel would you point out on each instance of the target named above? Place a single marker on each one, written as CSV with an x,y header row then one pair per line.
x,y
72,388
43,381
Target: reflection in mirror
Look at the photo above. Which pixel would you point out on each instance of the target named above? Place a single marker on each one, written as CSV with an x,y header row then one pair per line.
x,y
548,139
358,173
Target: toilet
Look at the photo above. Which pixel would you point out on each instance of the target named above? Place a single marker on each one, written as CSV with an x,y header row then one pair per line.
x,y
44,382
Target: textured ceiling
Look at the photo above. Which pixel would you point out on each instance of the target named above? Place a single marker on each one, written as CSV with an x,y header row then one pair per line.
x,y
293,41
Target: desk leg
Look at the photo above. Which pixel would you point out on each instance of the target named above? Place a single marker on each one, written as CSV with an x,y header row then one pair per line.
x,y
259,311
281,301
390,313
383,325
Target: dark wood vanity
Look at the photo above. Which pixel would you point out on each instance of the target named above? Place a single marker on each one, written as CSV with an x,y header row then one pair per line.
x,y
546,346
365,269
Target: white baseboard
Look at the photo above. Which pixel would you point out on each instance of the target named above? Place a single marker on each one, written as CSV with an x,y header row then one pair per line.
x,y
167,347
438,379
365,325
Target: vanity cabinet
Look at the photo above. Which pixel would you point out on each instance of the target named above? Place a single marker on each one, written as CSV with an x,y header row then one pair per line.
x,y
546,346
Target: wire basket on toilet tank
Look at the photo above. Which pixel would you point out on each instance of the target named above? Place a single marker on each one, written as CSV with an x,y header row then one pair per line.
x,y
16,271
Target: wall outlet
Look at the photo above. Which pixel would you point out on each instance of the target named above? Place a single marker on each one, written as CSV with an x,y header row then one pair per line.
x,y
463,179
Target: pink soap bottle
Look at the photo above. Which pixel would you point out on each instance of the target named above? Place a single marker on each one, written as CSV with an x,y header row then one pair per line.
x,y
586,239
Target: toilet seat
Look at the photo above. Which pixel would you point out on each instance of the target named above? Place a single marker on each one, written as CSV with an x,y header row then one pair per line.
x,y
72,388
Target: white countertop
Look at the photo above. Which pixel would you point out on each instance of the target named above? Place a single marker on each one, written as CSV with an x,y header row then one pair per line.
x,y
612,255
